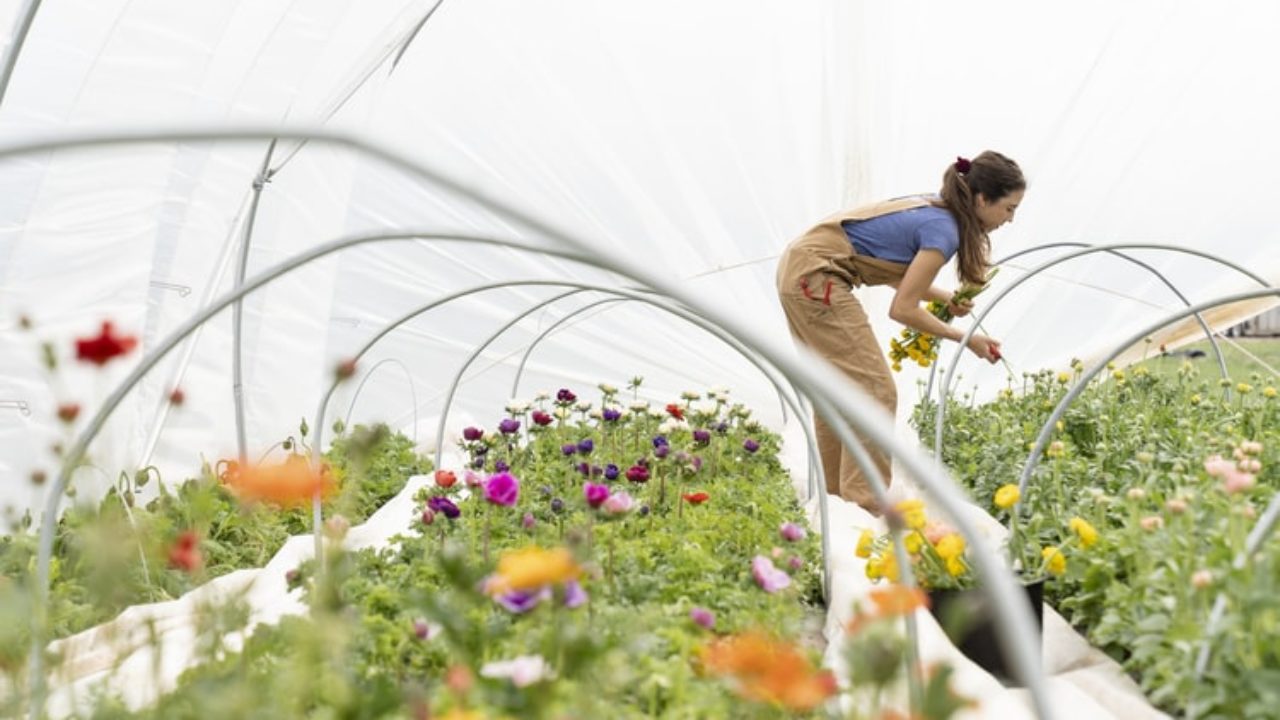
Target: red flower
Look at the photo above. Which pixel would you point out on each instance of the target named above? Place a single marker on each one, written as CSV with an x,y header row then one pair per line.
x,y
696,498
185,553
68,412
541,418
98,350
445,478
177,397
675,411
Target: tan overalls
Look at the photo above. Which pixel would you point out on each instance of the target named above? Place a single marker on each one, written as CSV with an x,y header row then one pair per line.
x,y
816,275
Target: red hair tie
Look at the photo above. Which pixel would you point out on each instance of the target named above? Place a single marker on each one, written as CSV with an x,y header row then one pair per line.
x,y
963,165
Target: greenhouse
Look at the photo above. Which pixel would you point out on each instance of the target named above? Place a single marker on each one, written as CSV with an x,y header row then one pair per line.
x,y
474,359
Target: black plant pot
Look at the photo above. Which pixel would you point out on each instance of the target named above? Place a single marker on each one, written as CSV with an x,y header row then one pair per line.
x,y
970,622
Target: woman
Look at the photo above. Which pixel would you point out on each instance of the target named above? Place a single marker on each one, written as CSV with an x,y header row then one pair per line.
x,y
902,243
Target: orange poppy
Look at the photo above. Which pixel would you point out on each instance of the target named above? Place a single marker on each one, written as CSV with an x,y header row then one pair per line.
x,y
292,483
763,669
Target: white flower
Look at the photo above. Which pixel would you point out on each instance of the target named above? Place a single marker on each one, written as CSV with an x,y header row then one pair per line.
x,y
543,395
583,405
671,425
656,413
596,414
640,406
523,671
690,395
517,407
705,408
607,389
561,412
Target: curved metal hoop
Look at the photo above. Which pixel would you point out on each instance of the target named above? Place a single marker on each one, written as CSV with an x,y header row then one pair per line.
x,y
810,374
413,393
939,418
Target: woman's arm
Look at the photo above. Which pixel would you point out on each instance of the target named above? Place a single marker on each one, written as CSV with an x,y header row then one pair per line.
x,y
917,285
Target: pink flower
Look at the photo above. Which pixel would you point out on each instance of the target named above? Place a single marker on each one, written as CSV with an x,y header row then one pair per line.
x,y
541,419
618,504
502,489
1177,506
1238,482
1151,523
1218,467
791,532
595,494
703,617
472,480
1201,579
935,531
769,578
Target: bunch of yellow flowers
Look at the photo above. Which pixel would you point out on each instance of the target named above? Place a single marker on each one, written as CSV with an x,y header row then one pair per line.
x,y
920,347
937,552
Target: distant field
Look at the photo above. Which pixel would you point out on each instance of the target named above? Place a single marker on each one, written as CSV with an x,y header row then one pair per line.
x,y
1236,352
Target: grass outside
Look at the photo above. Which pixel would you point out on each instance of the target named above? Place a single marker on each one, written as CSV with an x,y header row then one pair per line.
x,y
1245,358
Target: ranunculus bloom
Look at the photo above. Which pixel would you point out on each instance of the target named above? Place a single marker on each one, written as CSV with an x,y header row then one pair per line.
x,y
472,480
68,412
445,478
1007,496
750,445
865,542
508,426
791,532
769,671
502,489
532,568
595,494
528,521
611,414
444,506
696,498
1087,533
660,441
500,466
769,578
661,451
1237,482
522,601
569,448
428,516
1151,523
584,469
702,437
1201,579
574,595
541,418
105,346
618,504
565,396
637,474
611,472
585,446
292,483
702,616
675,411
472,434
185,553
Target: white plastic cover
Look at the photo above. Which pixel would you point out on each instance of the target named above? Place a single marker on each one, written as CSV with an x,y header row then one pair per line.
x,y
696,137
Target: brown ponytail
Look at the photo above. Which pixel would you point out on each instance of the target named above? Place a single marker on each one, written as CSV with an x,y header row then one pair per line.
x,y
993,176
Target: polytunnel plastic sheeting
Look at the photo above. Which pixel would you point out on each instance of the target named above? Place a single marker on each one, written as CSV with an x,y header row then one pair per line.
x,y
698,139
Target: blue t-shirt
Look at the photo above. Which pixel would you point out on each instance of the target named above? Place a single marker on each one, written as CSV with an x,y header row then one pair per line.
x,y
897,237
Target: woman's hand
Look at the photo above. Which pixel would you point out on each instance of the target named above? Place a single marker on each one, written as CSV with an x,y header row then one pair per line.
x,y
984,347
959,309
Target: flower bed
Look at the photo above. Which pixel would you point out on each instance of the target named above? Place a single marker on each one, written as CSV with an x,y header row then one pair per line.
x,y
613,562
1139,518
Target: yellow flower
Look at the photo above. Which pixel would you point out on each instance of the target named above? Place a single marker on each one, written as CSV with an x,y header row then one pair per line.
x,y
1064,377
950,547
1007,496
1244,388
1118,375
1195,399
865,541
912,542
912,513
875,568
890,567
1087,533
1268,391
533,567
955,567
1054,561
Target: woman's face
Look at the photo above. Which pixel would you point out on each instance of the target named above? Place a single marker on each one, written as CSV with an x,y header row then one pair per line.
x,y
994,214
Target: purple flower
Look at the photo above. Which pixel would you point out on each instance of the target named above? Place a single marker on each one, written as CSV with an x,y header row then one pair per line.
x,y
444,506
481,450
722,427
595,494
791,532
557,505
421,629
750,445
502,489
584,469
702,437
508,426
659,441
704,617
795,563
610,472
565,395
644,510
569,448
574,595
696,463
500,466
521,601
769,578
527,522
478,462
611,414
545,490
661,451
637,474
472,434
585,446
